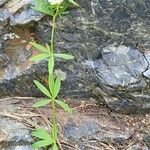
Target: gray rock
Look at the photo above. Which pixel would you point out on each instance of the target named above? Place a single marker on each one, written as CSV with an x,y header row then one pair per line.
x,y
113,36
146,139
146,148
4,61
115,137
2,1
75,133
92,131
120,66
15,131
25,17
147,72
18,148
10,11
137,147
15,135
4,15
119,74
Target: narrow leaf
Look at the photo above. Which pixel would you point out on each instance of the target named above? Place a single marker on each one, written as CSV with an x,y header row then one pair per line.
x,y
45,11
55,147
39,47
40,57
73,2
41,134
42,88
49,49
65,12
51,65
42,103
43,7
64,106
64,8
64,56
57,87
42,143
51,84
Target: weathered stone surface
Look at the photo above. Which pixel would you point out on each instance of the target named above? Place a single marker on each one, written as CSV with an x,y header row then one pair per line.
x,y
147,72
120,66
146,139
92,130
110,41
28,147
14,134
2,1
15,131
25,17
138,147
120,76
10,11
4,15
74,133
4,61
12,130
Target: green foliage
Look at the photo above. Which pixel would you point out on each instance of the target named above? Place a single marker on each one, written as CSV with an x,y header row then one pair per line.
x,y
51,65
57,86
64,56
44,7
40,47
54,87
64,106
51,83
45,138
45,52
54,82
42,88
42,103
73,2
55,147
54,131
40,57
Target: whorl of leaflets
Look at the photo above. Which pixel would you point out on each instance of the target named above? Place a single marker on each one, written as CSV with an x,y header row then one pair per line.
x,y
54,2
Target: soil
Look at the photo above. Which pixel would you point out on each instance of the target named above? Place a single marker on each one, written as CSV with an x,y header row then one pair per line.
x,y
19,108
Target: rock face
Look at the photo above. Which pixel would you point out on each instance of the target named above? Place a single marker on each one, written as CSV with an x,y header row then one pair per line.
x,y
110,40
120,74
10,8
146,139
92,130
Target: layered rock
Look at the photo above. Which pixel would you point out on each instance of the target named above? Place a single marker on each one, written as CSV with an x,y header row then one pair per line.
x,y
120,74
110,40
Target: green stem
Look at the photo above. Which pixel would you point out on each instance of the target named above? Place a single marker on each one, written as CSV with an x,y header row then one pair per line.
x,y
54,121
54,132
53,29
52,33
